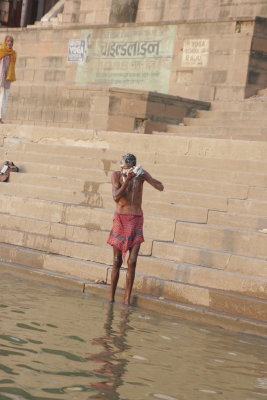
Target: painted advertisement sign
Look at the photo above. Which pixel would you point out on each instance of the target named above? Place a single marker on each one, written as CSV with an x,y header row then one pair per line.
x,y
76,50
195,53
136,58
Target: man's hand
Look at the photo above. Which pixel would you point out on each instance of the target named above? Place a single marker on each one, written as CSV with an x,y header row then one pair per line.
x,y
130,175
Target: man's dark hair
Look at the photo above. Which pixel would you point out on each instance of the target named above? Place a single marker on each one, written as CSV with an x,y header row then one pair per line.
x,y
129,159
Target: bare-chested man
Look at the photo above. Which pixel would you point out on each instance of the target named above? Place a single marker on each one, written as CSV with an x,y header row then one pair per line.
x,y
127,230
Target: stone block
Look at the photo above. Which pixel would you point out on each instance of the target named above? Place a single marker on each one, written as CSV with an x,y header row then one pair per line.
x,y
34,114
52,62
250,207
133,107
156,109
120,123
61,116
191,255
232,220
219,76
54,75
243,306
21,256
35,208
249,266
234,241
80,269
90,17
236,150
151,126
257,193
99,121
178,212
48,115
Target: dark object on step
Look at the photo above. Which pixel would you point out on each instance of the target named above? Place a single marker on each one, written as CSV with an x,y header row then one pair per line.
x,y
5,169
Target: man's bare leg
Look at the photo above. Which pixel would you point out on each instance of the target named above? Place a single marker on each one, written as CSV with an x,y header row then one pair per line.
x,y
115,274
130,275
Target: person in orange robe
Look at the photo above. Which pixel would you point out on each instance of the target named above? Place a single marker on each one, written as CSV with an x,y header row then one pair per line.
x,y
7,72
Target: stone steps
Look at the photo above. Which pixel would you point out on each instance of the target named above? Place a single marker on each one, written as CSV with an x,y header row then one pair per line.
x,y
80,233
203,246
73,240
189,146
80,215
235,123
249,207
237,220
218,259
98,180
242,120
230,115
146,156
164,171
62,240
103,189
160,268
221,132
219,300
92,199
48,231
243,105
242,242
202,193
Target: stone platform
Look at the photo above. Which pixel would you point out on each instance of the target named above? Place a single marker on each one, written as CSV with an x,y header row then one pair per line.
x,y
244,119
205,243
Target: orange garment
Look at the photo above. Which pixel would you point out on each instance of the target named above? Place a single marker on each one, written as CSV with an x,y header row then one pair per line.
x,y
5,51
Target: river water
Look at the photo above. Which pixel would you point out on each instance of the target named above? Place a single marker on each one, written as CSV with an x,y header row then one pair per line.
x,y
58,344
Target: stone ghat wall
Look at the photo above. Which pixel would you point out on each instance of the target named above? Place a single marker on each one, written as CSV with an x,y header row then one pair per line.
x,y
204,246
116,11
203,61
194,10
112,110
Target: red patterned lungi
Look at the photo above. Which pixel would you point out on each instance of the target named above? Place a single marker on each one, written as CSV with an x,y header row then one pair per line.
x,y
127,231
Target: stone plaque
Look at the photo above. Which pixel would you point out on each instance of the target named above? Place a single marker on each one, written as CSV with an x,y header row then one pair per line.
x,y
76,50
135,58
195,53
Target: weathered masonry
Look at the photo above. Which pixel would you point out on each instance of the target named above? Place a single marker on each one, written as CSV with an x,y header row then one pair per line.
x,y
72,66
200,60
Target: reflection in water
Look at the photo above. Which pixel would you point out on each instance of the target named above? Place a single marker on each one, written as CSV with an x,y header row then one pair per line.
x,y
113,364
57,344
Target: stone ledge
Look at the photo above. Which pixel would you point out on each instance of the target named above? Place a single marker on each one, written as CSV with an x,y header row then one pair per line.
x,y
188,312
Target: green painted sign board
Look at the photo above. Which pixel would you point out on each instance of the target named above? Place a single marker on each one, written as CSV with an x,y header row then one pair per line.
x,y
134,58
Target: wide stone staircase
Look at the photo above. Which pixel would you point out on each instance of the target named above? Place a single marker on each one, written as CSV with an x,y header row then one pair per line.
x,y
206,241
244,119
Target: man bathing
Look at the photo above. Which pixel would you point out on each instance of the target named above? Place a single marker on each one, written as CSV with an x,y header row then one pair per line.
x,y
127,230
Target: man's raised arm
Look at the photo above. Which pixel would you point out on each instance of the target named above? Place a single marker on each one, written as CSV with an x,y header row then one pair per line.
x,y
153,182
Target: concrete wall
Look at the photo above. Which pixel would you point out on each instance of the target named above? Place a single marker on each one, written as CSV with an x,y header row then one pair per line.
x,y
195,10
144,112
203,61
99,12
111,109
211,60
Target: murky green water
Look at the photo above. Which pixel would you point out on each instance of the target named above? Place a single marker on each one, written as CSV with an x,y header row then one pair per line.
x,y
56,344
